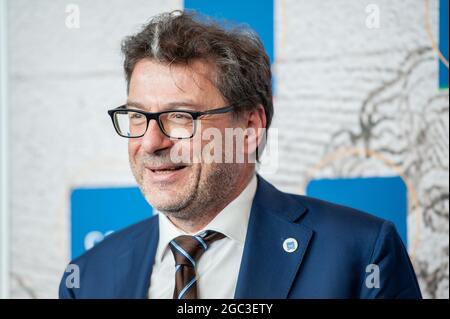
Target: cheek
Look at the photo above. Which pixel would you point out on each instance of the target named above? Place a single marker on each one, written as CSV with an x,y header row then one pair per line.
x,y
133,148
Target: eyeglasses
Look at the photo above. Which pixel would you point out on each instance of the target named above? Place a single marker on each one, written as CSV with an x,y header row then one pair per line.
x,y
132,123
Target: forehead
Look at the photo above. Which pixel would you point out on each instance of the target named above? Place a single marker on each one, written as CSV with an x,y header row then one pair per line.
x,y
156,84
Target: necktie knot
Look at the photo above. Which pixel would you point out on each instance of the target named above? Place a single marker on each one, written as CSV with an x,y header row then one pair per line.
x,y
187,250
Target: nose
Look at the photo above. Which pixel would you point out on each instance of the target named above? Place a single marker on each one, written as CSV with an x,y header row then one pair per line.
x,y
155,140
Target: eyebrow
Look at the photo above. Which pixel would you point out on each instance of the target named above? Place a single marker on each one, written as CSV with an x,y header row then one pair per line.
x,y
168,106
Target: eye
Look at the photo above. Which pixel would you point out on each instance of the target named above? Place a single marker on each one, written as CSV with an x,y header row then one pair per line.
x,y
135,116
180,116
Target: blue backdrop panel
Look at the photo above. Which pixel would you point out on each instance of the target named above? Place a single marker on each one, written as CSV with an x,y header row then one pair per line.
x,y
443,42
258,14
385,197
97,211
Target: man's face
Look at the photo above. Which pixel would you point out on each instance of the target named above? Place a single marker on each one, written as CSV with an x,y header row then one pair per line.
x,y
169,187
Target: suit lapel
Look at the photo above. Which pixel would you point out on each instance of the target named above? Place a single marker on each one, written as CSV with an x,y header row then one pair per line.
x,y
267,270
133,268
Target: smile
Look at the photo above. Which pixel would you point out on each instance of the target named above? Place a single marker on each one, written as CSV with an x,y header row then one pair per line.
x,y
165,173
166,168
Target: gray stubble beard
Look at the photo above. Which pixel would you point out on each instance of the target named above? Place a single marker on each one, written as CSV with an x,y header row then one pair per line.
x,y
206,197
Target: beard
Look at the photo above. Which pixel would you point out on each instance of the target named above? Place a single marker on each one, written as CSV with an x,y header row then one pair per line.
x,y
203,188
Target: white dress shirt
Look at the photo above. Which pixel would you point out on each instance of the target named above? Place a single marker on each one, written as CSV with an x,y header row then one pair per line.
x,y
218,268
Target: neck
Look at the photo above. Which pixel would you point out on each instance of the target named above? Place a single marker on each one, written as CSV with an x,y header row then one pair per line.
x,y
193,225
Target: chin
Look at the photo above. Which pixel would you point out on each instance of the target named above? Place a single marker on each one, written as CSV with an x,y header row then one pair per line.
x,y
166,198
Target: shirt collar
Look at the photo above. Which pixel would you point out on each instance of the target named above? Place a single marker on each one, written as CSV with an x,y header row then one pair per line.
x,y
232,221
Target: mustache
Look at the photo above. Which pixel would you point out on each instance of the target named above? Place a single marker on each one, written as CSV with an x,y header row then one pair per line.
x,y
161,160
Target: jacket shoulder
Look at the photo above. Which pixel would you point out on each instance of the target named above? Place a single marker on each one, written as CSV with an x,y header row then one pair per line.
x,y
95,268
322,212
112,244
313,212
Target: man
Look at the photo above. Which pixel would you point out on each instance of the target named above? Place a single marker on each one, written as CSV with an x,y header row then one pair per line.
x,y
222,231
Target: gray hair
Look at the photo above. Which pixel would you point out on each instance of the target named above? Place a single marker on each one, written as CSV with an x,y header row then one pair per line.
x,y
243,73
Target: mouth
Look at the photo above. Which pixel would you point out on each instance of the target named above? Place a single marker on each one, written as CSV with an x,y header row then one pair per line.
x,y
166,173
166,169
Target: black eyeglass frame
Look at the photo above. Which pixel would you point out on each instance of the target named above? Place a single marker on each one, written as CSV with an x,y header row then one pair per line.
x,y
156,116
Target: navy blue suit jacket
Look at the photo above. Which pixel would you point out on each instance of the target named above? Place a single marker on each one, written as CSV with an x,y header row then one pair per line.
x,y
335,245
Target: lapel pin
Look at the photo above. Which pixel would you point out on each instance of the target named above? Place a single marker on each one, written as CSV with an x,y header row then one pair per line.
x,y
290,245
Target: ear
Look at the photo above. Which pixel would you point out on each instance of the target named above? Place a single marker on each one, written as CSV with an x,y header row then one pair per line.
x,y
256,124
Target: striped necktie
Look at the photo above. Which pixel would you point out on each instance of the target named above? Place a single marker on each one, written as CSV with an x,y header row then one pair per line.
x,y
187,250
